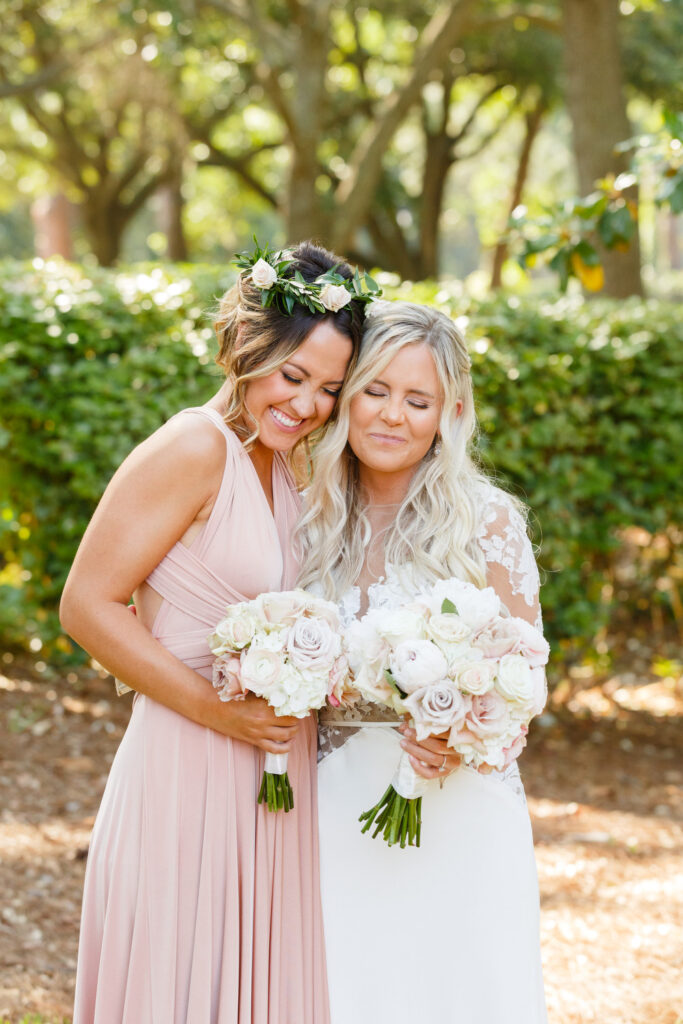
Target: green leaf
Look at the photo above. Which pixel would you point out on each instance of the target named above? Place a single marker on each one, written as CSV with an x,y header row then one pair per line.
x,y
447,607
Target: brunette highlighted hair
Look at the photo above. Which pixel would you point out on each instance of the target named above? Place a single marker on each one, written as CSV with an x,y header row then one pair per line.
x,y
254,342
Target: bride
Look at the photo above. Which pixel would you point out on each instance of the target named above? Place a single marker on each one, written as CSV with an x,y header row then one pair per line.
x,y
449,931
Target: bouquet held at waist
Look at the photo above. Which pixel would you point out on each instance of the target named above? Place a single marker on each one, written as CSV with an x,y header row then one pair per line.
x,y
287,648
455,663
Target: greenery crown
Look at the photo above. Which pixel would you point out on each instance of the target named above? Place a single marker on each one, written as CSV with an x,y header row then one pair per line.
x,y
329,293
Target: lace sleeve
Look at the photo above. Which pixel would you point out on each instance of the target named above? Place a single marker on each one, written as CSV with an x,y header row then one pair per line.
x,y
510,563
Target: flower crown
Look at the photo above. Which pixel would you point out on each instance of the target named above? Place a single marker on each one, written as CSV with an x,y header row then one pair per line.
x,y
330,292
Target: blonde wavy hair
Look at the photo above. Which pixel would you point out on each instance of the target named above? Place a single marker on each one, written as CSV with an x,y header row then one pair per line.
x,y
434,533
254,341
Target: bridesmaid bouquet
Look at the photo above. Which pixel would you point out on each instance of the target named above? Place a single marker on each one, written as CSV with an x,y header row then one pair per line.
x,y
452,662
285,647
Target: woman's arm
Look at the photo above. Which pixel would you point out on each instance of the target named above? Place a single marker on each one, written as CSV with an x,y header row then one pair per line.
x,y
165,486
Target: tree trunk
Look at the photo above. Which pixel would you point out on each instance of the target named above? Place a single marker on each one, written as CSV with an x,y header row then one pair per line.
x,y
51,226
532,120
595,98
171,217
438,161
104,226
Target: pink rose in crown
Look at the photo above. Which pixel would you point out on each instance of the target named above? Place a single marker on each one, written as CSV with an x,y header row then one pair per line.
x,y
227,678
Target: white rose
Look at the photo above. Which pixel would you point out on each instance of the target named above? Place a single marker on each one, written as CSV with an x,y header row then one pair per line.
x,y
261,670
515,681
417,663
334,297
446,629
234,632
282,609
313,645
436,708
263,275
475,677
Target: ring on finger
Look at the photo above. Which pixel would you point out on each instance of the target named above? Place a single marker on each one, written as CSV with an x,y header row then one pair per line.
x,y
442,767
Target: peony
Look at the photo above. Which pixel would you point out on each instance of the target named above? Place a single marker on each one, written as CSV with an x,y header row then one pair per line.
x,y
226,678
475,677
313,645
417,663
436,708
395,624
263,275
478,608
334,297
501,637
514,680
235,631
260,670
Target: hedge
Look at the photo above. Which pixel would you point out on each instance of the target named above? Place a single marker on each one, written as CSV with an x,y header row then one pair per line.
x,y
580,408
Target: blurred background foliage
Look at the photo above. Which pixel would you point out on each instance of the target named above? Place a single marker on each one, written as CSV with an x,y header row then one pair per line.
x,y
505,160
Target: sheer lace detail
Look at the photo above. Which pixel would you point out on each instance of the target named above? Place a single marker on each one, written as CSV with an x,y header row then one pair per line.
x,y
511,571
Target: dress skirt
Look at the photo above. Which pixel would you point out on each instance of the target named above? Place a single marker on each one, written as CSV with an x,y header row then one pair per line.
x,y
199,906
447,932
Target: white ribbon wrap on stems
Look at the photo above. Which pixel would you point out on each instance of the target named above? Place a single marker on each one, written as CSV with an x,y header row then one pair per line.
x,y
276,764
406,781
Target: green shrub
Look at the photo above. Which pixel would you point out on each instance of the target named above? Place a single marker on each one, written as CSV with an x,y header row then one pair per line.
x,y
579,403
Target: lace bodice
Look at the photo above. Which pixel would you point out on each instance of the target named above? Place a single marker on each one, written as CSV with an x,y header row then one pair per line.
x,y
511,571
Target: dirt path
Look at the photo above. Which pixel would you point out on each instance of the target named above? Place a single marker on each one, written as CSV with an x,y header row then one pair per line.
x,y
606,799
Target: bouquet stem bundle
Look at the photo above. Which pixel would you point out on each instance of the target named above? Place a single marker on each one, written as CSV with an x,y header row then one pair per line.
x,y
397,817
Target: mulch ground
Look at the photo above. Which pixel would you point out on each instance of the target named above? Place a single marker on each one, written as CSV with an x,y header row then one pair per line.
x,y
603,774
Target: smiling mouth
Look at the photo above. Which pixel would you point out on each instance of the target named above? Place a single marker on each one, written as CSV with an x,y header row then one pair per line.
x,y
283,420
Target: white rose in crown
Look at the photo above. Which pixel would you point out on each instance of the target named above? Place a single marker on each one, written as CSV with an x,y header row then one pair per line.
x,y
313,645
417,663
515,680
436,708
475,677
263,275
234,632
334,297
260,669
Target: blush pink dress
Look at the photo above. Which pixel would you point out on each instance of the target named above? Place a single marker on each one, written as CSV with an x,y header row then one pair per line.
x,y
200,906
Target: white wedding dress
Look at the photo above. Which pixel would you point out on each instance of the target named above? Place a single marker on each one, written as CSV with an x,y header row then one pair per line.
x,y
447,932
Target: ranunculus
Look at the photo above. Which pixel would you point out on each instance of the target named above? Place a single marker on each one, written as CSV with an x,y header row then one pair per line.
x,y
226,678
334,297
475,677
417,663
282,609
234,632
436,708
531,642
514,680
260,669
263,275
313,645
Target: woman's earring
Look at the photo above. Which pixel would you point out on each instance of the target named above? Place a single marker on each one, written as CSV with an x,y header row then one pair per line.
x,y
437,446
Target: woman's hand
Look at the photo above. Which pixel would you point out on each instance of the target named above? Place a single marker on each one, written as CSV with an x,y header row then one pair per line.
x,y
252,720
431,758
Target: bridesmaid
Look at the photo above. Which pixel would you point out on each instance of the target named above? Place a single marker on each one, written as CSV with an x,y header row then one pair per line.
x,y
200,905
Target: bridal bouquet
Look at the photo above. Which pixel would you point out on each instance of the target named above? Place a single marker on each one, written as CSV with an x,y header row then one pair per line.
x,y
285,647
452,662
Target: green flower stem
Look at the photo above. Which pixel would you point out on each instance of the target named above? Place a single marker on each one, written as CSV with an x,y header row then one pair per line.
x,y
396,817
276,792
